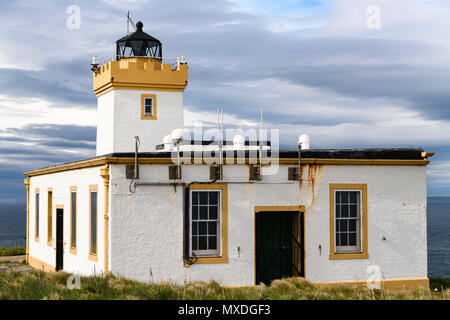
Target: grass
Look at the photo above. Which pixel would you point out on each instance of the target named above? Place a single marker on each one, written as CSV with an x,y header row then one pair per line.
x,y
41,285
12,251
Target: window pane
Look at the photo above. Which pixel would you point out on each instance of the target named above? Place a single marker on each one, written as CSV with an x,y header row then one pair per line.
x,y
343,237
352,239
213,196
213,213
194,243
353,196
338,240
343,227
337,225
338,197
352,225
212,243
212,228
344,211
203,197
93,222
353,210
194,198
194,212
344,196
203,213
194,228
202,228
202,243
148,102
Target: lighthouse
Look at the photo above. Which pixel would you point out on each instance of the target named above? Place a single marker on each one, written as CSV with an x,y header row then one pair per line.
x,y
138,95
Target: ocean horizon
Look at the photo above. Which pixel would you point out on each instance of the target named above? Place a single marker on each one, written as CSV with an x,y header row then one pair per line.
x,y
13,232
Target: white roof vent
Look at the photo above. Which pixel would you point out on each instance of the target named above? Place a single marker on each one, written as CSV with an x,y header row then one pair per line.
x,y
238,142
177,136
304,141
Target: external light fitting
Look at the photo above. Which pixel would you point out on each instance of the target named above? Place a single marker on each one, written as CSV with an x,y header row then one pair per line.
x,y
95,68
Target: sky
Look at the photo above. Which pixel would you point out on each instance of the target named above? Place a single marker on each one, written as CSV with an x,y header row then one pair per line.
x,y
336,70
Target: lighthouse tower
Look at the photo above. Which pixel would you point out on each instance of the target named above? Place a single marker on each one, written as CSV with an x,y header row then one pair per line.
x,y
138,95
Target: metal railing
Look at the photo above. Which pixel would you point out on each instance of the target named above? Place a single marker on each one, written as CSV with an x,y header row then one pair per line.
x,y
174,65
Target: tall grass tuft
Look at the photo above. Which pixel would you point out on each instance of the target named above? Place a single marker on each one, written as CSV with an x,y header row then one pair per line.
x,y
52,286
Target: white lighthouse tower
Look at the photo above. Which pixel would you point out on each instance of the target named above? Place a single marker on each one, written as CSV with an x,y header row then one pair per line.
x,y
138,95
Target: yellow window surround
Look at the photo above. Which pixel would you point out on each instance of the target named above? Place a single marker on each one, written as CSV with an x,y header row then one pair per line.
x,y
224,222
153,116
364,254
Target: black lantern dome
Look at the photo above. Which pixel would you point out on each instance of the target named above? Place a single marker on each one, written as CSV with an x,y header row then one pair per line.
x,y
139,44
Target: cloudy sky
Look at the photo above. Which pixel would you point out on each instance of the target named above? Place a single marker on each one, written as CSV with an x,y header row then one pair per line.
x,y
314,66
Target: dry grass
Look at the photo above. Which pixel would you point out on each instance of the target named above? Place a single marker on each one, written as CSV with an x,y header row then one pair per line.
x,y
52,286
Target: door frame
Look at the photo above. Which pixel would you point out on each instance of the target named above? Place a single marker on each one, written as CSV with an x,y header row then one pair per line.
x,y
60,207
260,209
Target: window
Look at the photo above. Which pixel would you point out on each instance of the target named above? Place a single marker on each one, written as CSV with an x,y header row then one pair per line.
x,y
205,217
148,106
209,223
348,221
73,220
93,204
49,216
36,230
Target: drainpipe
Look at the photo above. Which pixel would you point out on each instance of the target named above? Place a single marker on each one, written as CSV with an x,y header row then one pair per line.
x,y
27,184
104,173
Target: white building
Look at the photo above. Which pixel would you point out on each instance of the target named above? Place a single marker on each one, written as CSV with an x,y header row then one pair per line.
x,y
231,218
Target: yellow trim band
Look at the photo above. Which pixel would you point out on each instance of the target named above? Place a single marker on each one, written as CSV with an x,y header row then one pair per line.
x,y
40,265
387,284
116,160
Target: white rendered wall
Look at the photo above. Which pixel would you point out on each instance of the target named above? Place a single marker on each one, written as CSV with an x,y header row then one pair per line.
x,y
61,183
147,226
119,120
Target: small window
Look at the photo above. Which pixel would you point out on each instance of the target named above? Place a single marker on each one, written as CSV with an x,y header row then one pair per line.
x,y
37,217
205,222
73,220
93,203
148,107
49,218
348,221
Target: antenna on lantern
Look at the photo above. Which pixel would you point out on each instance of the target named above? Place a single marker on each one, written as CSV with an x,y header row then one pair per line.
x,y
128,23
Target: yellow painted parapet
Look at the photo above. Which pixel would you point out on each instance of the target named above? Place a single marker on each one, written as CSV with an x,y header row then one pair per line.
x,y
140,74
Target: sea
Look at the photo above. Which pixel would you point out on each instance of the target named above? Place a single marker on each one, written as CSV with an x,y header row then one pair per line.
x,y
13,226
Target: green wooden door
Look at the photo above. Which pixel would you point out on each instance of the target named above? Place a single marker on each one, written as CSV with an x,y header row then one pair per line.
x,y
277,246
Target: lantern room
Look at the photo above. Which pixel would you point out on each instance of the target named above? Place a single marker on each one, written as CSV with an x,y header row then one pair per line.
x,y
139,44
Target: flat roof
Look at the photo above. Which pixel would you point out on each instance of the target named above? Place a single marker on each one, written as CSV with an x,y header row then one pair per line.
x,y
360,156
